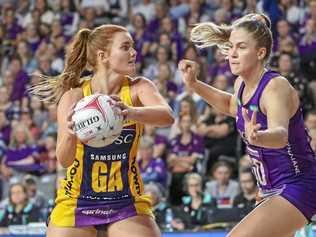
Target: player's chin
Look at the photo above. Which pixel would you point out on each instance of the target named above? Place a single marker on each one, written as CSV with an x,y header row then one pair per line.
x,y
128,70
235,70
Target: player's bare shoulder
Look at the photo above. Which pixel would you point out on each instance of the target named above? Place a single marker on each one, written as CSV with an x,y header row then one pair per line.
x,y
71,96
279,85
141,84
140,81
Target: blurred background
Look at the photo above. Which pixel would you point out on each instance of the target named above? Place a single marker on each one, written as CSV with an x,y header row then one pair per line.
x,y
196,170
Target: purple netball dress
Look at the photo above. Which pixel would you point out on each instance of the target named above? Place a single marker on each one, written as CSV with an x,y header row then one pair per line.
x,y
289,171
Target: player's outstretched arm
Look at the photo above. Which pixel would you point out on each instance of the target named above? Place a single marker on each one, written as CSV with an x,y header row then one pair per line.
x,y
220,100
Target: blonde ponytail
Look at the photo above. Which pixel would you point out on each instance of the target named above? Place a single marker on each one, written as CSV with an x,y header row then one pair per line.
x,y
51,89
208,34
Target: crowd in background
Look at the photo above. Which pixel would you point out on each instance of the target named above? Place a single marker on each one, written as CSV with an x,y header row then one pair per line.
x,y
196,171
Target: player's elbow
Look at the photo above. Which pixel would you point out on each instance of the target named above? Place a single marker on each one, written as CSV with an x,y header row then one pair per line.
x,y
170,119
64,159
64,162
167,120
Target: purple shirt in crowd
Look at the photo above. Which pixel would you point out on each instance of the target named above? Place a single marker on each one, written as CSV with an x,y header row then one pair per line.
x,y
195,146
155,171
18,90
18,154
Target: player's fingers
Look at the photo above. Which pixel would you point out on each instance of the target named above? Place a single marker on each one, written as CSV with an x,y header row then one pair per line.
x,y
115,97
257,127
254,118
120,104
245,115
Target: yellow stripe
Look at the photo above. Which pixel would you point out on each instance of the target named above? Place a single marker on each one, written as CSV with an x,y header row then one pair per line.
x,y
86,88
125,93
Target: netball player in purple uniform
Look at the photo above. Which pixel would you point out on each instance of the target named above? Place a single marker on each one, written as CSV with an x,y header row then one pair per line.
x,y
269,118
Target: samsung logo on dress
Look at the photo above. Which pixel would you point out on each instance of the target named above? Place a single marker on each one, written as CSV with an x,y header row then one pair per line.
x,y
108,157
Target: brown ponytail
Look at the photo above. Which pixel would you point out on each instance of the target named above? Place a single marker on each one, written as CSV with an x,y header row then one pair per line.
x,y
52,88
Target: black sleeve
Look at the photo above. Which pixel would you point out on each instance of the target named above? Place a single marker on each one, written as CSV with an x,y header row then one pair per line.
x,y
3,218
35,215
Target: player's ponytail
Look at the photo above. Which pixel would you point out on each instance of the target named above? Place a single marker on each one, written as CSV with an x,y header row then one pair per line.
x,y
52,88
208,34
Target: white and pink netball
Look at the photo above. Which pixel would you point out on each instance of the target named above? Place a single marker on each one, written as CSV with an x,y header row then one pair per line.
x,y
97,121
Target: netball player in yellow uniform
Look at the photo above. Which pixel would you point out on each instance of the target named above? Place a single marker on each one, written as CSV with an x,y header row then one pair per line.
x,y
103,187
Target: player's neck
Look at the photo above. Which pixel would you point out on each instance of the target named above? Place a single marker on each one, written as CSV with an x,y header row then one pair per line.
x,y
106,83
253,77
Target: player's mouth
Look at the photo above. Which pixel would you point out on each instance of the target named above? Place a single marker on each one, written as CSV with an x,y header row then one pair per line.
x,y
132,62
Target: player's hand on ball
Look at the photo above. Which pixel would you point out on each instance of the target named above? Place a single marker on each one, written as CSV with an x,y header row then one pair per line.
x,y
124,109
189,70
251,126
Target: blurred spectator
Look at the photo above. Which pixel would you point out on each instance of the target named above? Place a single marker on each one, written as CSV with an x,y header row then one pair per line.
x,y
220,67
222,188
163,56
50,125
196,204
20,210
29,63
250,7
32,37
185,106
38,111
219,133
186,152
298,81
312,134
45,66
291,11
23,8
166,86
197,12
152,169
168,27
12,29
310,120
68,16
159,204
160,141
26,119
5,127
142,39
246,200
22,153
307,50
161,11
146,8
20,78
116,10
283,31
244,162
89,15
36,197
